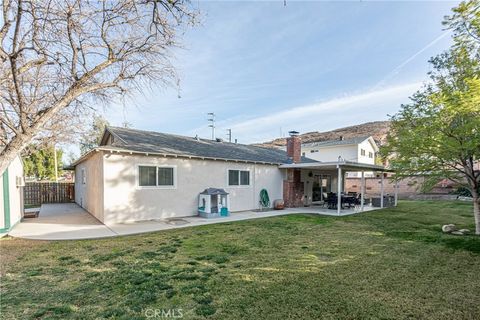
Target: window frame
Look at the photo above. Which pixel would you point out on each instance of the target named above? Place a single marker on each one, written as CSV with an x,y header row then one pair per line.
x,y
239,178
165,187
363,152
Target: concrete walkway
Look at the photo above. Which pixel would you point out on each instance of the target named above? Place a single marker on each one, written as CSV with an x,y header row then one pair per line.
x,y
61,221
68,221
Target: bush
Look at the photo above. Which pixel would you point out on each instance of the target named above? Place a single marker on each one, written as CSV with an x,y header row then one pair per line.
x,y
462,192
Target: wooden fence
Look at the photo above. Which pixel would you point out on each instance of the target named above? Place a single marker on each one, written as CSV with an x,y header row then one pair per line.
x,y
37,193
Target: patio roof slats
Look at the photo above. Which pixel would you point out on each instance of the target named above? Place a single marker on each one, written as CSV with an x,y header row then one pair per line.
x,y
345,165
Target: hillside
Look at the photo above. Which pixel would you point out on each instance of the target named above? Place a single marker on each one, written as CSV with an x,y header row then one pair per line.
x,y
377,129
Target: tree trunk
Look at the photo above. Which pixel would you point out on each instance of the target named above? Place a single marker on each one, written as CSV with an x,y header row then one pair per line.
x,y
13,149
476,211
474,187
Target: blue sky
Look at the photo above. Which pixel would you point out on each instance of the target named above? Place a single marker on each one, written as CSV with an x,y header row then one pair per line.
x,y
265,68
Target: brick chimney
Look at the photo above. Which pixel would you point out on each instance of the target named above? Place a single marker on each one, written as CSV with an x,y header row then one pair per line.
x,y
294,146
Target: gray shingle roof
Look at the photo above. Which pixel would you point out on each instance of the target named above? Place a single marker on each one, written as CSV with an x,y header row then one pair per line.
x,y
329,143
170,144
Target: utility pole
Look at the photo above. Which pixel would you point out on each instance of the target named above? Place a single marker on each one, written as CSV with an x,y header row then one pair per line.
x,y
212,120
229,135
55,161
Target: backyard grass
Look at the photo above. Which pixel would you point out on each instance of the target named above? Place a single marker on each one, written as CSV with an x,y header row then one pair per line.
x,y
390,264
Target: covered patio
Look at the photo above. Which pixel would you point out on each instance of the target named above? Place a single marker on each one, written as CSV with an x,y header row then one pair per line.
x,y
323,184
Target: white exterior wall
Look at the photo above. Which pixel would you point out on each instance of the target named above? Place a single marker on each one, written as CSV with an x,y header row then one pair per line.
x,y
125,201
367,146
351,152
331,153
15,169
2,209
89,195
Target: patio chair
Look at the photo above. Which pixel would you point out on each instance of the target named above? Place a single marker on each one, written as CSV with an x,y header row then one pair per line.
x,y
325,198
349,201
332,200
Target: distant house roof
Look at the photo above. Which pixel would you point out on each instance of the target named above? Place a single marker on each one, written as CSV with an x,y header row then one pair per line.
x,y
338,142
151,142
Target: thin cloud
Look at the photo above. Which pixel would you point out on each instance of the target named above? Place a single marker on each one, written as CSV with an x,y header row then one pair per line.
x,y
333,113
397,69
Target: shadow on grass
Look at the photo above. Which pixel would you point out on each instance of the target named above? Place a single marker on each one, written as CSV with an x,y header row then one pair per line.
x,y
422,221
467,243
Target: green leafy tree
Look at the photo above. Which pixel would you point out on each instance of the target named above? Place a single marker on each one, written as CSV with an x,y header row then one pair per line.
x,y
39,163
91,138
438,134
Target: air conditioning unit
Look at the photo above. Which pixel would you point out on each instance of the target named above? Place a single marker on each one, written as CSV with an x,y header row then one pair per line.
x,y
20,181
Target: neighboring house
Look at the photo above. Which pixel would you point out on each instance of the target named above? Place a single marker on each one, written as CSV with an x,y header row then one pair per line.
x,y
358,149
142,175
11,193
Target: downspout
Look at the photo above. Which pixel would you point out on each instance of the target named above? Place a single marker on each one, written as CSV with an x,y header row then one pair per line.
x,y
339,189
6,202
382,192
362,191
254,186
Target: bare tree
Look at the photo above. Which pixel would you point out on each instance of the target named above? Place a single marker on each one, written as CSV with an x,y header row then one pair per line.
x,y
61,58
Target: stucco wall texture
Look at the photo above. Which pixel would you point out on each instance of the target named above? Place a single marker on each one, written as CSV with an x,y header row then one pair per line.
x,y
115,196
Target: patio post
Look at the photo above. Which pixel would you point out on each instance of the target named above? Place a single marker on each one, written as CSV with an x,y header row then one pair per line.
x,y
396,193
339,189
381,191
362,191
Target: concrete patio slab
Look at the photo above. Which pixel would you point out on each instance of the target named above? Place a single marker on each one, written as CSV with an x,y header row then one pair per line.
x,y
61,221
69,221
157,225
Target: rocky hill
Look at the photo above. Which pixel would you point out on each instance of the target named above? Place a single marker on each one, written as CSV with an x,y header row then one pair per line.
x,y
377,129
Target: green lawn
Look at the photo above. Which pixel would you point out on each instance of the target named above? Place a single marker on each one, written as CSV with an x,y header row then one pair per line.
x,y
389,264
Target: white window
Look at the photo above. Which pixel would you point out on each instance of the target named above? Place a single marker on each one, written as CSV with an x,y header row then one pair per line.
x,y
370,155
84,176
147,176
165,176
238,178
153,176
362,152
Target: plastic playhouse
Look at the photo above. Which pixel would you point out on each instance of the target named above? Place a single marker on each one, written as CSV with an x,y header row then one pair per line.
x,y
213,203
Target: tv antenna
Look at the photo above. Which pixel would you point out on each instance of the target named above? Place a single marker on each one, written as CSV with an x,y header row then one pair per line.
x,y
212,125
229,135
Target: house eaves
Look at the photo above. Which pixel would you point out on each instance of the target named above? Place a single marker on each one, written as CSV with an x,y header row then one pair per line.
x,y
117,150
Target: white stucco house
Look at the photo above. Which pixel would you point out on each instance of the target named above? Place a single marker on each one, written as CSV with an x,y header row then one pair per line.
x,y
138,175
11,193
358,149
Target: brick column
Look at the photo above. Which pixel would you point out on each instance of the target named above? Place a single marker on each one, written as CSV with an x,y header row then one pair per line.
x,y
293,189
